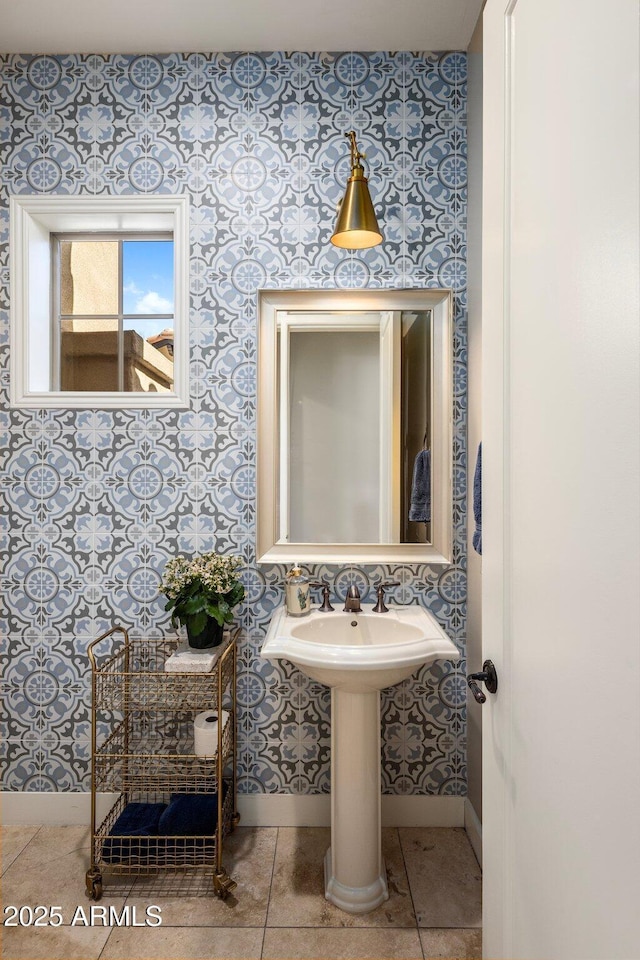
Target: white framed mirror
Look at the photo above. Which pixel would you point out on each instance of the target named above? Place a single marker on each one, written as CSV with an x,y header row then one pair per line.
x,y
355,410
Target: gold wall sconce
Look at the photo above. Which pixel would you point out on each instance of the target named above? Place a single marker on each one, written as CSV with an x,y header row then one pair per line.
x,y
356,226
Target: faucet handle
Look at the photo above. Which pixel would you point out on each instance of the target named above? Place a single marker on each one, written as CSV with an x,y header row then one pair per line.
x,y
380,606
326,602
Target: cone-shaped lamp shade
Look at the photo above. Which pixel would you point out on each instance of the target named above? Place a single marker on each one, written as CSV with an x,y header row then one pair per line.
x,y
356,227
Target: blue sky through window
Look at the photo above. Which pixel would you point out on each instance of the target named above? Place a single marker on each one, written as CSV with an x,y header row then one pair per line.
x,y
147,276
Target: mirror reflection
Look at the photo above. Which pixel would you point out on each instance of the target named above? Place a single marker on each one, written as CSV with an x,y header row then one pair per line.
x,y
354,400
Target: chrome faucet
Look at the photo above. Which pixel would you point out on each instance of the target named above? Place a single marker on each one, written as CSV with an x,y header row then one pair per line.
x,y
352,600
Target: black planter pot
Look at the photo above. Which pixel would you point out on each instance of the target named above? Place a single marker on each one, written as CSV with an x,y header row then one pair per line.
x,y
210,636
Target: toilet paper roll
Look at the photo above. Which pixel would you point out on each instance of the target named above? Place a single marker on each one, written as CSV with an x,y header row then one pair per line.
x,y
205,732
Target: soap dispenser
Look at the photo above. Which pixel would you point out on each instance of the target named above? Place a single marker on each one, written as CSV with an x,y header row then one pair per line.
x,y
296,590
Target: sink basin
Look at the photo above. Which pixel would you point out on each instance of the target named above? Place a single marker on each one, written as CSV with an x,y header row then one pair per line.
x,y
357,654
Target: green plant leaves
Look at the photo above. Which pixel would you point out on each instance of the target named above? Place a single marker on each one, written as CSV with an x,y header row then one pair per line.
x,y
195,603
235,595
197,623
214,612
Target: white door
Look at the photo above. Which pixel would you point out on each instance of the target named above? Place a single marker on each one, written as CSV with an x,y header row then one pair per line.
x,y
561,529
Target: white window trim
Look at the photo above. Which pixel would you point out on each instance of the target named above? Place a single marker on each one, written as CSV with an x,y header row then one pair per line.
x,y
33,220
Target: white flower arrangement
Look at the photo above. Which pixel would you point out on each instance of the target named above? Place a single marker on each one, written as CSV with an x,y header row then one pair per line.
x,y
203,587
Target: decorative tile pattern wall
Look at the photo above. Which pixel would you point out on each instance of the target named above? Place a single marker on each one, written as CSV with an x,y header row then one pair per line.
x,y
95,502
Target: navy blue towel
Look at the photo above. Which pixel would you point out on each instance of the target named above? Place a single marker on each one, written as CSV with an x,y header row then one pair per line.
x,y
477,503
158,835
132,836
420,509
190,815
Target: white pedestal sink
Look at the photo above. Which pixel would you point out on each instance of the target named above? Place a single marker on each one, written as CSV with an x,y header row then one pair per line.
x,y
357,655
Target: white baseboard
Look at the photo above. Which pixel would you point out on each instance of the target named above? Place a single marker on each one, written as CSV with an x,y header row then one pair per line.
x,y
52,809
290,810
474,829
422,811
261,810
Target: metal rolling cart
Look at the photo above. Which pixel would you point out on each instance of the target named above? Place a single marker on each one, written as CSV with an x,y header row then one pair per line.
x,y
142,751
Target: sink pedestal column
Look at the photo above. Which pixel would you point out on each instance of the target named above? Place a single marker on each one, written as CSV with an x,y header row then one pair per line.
x,y
354,873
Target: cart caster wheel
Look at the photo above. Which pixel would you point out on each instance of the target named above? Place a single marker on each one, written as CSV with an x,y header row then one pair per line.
x,y
223,885
235,820
94,884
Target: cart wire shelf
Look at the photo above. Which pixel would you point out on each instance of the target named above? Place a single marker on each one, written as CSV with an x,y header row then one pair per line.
x,y
134,678
143,755
143,752
142,855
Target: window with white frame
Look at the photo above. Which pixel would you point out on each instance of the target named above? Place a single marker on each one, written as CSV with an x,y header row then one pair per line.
x,y
99,301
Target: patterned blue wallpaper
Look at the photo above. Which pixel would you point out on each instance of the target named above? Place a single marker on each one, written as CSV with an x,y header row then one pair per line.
x,y
95,502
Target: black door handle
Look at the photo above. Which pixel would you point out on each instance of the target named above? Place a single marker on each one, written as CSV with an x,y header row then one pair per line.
x,y
488,676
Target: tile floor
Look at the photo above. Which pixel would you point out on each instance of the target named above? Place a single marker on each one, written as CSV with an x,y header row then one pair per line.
x,y
277,911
